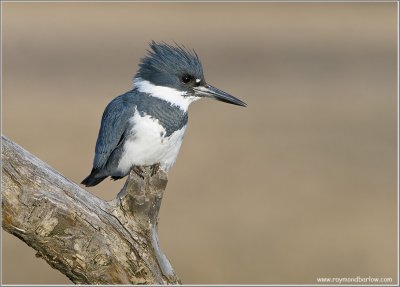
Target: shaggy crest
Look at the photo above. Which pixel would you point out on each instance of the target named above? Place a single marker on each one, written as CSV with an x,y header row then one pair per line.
x,y
164,59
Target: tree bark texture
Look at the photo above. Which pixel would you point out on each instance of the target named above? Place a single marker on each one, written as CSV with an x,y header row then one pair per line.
x,y
89,240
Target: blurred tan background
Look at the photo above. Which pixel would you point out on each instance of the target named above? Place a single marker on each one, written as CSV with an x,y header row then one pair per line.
x,y
299,185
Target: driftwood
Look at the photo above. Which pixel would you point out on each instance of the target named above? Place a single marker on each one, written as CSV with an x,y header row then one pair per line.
x,y
89,240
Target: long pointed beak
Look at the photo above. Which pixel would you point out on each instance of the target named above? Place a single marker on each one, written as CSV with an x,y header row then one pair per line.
x,y
212,92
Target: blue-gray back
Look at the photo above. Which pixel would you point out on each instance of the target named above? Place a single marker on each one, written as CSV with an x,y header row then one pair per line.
x,y
116,124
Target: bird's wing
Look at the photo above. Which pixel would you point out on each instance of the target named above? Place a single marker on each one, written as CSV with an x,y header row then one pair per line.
x,y
114,124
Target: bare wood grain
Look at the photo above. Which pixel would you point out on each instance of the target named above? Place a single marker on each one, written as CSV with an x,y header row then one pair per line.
x,y
89,240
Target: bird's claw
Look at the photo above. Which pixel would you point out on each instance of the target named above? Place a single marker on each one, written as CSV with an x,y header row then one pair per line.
x,y
154,169
138,170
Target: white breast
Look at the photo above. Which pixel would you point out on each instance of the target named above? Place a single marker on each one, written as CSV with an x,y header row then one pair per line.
x,y
148,145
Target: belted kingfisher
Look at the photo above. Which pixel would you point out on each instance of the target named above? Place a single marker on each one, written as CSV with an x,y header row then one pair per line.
x,y
145,126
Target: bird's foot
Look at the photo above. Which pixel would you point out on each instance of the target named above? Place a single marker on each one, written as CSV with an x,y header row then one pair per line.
x,y
138,170
154,169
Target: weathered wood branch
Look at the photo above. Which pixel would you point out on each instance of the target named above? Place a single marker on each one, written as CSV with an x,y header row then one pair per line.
x,y
89,240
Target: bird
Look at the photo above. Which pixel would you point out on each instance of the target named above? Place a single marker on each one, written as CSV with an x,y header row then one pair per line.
x,y
145,126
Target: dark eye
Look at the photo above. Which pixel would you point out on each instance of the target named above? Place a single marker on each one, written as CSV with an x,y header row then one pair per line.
x,y
186,78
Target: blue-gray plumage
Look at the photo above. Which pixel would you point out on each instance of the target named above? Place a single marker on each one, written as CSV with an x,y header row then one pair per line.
x,y
115,125
145,126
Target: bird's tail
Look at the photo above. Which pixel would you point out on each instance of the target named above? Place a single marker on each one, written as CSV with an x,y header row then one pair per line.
x,y
94,178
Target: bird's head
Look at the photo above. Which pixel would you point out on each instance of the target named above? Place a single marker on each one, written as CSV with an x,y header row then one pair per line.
x,y
176,74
